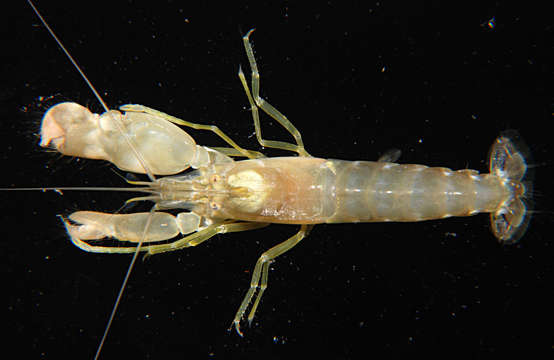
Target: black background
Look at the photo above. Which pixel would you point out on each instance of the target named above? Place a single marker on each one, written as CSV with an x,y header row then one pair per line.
x,y
436,81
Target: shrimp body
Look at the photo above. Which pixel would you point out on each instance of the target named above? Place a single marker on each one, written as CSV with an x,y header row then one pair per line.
x,y
300,190
223,195
308,190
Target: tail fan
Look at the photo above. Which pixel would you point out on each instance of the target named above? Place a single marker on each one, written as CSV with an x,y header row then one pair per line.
x,y
507,160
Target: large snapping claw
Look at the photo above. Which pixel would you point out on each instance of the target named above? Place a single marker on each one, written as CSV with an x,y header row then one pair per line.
x,y
73,130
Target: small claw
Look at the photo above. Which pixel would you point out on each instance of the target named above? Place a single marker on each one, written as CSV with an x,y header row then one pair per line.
x,y
146,256
237,328
249,33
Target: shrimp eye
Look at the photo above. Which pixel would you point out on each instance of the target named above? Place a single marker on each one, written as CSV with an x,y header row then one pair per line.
x,y
214,206
215,178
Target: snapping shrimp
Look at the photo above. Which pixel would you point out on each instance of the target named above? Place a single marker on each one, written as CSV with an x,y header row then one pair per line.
x,y
222,195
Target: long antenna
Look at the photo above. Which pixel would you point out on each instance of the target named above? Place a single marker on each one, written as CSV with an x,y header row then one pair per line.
x,y
69,56
139,157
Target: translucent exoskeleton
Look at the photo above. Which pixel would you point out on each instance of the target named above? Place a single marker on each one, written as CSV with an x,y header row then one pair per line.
x,y
220,194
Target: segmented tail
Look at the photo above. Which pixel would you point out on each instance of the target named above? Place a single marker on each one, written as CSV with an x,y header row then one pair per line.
x,y
508,160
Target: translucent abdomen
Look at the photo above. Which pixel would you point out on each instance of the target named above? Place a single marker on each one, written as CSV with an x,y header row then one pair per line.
x,y
377,191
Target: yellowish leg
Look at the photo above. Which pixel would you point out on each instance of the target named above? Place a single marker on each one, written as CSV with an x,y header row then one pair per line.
x,y
203,235
234,152
260,274
256,101
213,128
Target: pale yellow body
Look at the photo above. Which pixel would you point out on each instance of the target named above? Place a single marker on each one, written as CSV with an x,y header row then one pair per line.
x,y
303,190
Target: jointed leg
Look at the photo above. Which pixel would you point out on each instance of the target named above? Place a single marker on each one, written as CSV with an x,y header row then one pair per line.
x,y
256,101
203,235
261,271
234,152
213,128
